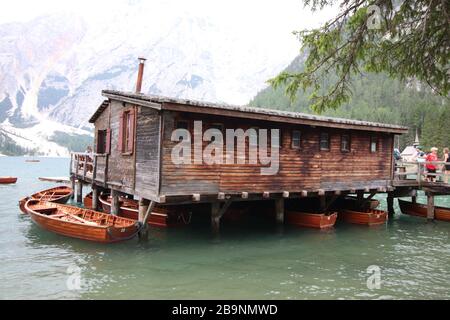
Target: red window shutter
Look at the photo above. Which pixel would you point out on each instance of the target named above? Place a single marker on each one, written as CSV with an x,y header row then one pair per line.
x,y
120,140
108,141
130,147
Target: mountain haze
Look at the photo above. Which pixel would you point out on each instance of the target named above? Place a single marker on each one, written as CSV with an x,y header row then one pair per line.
x,y
53,68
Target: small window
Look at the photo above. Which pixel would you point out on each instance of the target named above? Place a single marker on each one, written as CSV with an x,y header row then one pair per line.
x,y
324,141
373,144
128,125
296,139
101,141
345,143
182,124
126,131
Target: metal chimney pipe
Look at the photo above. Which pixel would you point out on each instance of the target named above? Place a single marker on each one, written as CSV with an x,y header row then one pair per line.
x,y
140,74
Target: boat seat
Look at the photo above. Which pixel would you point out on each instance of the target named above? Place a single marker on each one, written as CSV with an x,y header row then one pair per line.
x,y
47,211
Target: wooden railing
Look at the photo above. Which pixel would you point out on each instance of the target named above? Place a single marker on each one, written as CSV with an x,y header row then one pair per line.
x,y
92,166
417,171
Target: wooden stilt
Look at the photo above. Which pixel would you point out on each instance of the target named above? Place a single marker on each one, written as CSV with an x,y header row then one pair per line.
x,y
215,217
330,202
414,196
359,198
115,202
95,193
218,209
279,210
430,206
390,205
372,194
323,203
72,181
79,191
145,209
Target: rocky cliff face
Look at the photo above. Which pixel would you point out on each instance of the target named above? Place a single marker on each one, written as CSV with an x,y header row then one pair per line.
x,y
53,68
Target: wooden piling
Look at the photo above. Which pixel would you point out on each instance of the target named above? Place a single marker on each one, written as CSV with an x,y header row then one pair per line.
x,y
390,205
95,194
430,206
279,210
144,206
72,181
79,191
414,196
218,209
215,217
115,202
323,203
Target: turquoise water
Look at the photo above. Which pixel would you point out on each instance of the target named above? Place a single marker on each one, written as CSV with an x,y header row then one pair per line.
x,y
256,261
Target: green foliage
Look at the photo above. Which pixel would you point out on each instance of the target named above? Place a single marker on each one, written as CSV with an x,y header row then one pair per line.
x,y
411,40
378,98
9,148
75,143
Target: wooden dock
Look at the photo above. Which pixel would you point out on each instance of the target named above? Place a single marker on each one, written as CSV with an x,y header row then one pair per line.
x,y
409,177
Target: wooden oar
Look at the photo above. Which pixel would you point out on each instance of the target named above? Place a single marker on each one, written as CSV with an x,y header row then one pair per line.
x,y
83,220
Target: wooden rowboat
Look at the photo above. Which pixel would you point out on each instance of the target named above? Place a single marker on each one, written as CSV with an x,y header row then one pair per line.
x,y
8,180
311,220
420,210
161,216
81,223
59,194
369,217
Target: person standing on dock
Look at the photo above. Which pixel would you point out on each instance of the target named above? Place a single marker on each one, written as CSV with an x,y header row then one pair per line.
x,y
431,167
446,165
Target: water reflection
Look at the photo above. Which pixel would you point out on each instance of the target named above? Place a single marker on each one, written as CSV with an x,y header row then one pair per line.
x,y
250,260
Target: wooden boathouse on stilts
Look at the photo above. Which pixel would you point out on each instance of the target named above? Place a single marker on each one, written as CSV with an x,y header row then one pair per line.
x,y
319,157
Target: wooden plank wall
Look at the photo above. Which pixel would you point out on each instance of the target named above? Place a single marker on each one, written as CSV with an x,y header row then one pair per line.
x,y
306,168
147,151
120,167
184,179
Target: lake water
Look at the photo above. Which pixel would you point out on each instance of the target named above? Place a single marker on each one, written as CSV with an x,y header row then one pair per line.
x,y
256,261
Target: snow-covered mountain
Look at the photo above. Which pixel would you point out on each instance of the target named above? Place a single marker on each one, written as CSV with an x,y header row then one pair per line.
x,y
53,68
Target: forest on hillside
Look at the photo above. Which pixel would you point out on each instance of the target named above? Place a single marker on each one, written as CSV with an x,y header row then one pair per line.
x,y
376,97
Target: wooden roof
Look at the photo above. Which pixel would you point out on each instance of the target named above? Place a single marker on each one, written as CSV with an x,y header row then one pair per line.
x,y
185,105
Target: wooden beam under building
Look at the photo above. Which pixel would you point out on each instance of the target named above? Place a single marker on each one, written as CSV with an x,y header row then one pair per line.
x,y
95,196
73,184
144,210
115,207
218,209
430,206
279,210
390,205
79,191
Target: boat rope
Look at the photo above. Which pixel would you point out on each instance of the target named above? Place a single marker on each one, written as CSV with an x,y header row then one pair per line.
x,y
138,223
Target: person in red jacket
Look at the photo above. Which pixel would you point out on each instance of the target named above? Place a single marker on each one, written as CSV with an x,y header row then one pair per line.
x,y
431,167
